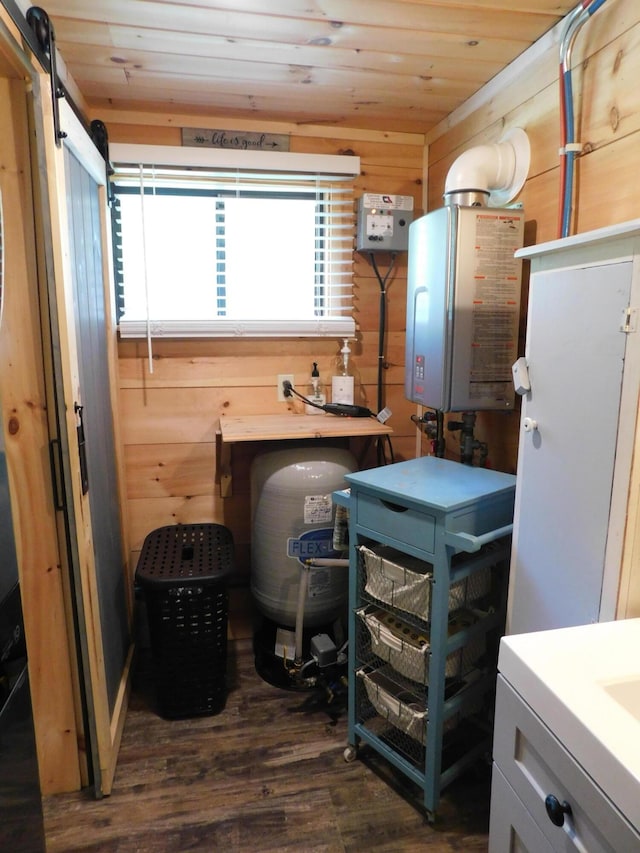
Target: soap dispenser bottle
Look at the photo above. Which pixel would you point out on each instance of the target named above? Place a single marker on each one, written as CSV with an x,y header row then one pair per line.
x,y
315,395
342,383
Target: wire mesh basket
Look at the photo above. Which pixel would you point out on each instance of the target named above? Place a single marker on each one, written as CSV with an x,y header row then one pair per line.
x,y
408,649
405,582
404,704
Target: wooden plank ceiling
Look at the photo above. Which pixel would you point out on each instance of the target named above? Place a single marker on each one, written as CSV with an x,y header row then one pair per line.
x,y
387,64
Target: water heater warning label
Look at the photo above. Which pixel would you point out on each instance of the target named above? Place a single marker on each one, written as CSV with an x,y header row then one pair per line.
x,y
317,509
497,239
495,305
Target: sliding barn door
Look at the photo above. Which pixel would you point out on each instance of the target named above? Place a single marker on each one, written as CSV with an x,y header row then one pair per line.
x,y
84,364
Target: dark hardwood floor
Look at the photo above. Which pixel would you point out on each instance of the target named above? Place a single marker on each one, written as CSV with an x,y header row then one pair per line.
x,y
265,774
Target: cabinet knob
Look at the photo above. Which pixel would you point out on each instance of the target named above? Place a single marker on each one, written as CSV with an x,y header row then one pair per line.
x,y
556,809
529,425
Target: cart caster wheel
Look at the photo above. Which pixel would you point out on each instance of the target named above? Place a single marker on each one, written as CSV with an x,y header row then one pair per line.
x,y
350,754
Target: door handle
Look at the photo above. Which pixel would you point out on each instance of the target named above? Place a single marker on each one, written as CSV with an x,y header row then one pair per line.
x,y
520,374
56,475
82,448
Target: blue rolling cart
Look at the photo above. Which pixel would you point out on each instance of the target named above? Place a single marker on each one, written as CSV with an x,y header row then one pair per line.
x,y
429,548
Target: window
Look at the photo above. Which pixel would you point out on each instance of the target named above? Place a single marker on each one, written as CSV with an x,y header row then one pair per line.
x,y
233,251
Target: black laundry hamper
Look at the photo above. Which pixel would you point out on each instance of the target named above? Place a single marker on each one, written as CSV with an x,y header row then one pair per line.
x,y
182,572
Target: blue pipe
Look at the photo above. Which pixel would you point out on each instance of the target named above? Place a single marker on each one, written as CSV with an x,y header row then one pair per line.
x,y
569,155
577,19
594,6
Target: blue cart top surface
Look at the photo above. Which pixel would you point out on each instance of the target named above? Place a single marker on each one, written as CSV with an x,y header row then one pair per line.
x,y
433,482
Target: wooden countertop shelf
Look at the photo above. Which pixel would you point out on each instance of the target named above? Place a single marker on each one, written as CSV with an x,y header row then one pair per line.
x,y
289,427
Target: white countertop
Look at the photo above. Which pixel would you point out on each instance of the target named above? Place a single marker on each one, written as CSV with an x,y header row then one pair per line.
x,y
584,683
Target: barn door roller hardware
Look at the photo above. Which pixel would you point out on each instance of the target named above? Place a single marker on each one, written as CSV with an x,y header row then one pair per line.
x,y
100,138
41,24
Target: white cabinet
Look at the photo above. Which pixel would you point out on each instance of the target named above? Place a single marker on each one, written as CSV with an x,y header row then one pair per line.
x,y
541,798
577,431
566,745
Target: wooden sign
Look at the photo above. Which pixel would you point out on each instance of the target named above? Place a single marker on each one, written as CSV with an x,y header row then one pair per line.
x,y
236,140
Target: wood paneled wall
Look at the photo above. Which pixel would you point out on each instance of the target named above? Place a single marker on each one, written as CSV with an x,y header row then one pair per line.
x,y
169,418
606,65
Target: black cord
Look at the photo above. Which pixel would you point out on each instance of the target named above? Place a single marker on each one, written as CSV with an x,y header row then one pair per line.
x,y
381,341
344,410
382,319
387,440
306,399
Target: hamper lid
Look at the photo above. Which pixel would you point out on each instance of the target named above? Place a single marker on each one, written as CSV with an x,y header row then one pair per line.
x,y
183,551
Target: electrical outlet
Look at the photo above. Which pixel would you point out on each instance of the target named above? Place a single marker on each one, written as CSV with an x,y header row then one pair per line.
x,y
282,377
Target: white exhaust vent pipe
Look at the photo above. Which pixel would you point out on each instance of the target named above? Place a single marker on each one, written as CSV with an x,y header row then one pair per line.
x,y
490,174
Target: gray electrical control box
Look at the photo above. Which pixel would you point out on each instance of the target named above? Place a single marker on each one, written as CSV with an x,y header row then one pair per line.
x,y
383,223
463,308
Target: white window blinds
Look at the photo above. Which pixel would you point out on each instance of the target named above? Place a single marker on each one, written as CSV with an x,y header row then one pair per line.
x,y
233,250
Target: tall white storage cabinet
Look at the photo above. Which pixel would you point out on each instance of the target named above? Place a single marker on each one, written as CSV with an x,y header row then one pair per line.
x,y
575,507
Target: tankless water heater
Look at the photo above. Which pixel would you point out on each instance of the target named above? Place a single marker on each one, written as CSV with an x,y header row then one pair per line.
x,y
463,308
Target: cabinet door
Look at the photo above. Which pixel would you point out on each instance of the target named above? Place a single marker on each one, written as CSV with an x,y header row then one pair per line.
x,y
575,354
536,765
511,827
